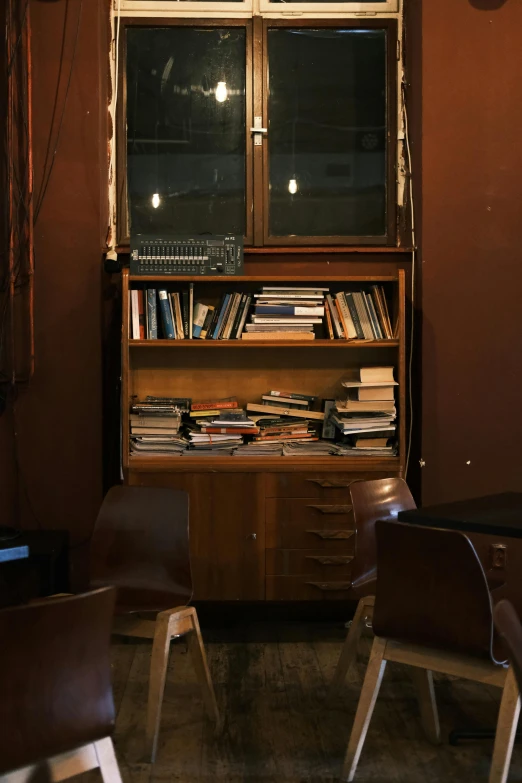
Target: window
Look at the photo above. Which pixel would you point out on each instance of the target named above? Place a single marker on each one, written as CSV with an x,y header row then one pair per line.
x,y
322,96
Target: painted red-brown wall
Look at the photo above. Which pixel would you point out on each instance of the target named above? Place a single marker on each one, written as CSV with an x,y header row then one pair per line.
x,y
59,417
471,261
468,105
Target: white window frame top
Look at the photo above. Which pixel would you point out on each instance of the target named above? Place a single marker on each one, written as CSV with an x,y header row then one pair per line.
x,y
184,8
248,8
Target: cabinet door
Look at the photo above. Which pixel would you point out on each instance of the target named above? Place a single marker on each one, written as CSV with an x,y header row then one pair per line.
x,y
227,531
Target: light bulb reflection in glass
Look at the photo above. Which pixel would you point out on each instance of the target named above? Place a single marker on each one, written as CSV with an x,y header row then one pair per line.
x,y
221,92
292,186
156,201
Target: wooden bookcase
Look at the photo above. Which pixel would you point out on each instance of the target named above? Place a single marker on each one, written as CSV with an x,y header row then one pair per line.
x,y
262,528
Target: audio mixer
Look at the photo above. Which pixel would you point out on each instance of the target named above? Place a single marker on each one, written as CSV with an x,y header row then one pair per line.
x,y
186,255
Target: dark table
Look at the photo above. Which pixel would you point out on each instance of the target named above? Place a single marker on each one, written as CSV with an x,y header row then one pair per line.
x,y
497,515
33,564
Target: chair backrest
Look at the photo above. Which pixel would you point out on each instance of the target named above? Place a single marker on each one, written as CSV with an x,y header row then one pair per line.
x,y
432,590
140,544
507,623
373,500
55,677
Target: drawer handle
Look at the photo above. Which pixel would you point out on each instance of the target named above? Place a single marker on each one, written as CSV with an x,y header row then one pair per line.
x,y
331,483
332,509
325,534
331,559
325,586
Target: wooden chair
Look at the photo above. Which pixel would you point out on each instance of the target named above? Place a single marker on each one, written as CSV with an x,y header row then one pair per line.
x,y
56,707
371,500
433,611
140,544
509,628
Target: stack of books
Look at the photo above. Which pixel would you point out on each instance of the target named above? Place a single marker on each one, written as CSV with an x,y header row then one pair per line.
x,y
366,418
286,313
359,315
283,403
155,425
218,425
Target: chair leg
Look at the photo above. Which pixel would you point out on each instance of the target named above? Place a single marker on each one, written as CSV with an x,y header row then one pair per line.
x,y
351,643
158,671
363,716
107,762
506,729
199,660
423,682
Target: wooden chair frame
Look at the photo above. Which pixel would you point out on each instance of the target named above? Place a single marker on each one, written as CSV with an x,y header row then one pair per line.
x,y
427,660
96,755
363,614
168,625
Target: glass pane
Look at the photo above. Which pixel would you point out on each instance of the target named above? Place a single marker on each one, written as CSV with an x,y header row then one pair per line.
x,y
186,130
327,132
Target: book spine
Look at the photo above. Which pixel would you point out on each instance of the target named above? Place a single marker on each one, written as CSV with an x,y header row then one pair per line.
x,y
135,315
172,315
363,316
328,431
379,310
347,318
230,430
387,312
244,316
214,405
141,313
286,310
283,405
329,323
152,314
208,318
292,396
225,317
176,304
221,316
237,319
200,313
166,315
355,315
191,309
340,317
185,308
215,316
335,317
231,316
373,315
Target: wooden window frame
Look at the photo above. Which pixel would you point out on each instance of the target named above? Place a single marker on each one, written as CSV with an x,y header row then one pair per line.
x,y
122,205
390,238
256,162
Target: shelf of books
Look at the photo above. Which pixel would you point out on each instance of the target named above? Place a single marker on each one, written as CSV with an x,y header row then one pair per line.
x,y
291,397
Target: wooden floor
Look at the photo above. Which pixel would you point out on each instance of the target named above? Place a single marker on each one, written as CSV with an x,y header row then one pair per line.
x,y
270,682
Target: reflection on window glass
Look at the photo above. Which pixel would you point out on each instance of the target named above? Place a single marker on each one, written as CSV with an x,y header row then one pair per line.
x,y
186,130
327,132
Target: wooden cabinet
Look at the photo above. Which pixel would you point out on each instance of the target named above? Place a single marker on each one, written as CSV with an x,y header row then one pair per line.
x,y
227,531
263,528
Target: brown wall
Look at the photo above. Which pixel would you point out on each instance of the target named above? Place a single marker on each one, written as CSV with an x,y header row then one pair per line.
x,y
471,249
59,417
468,74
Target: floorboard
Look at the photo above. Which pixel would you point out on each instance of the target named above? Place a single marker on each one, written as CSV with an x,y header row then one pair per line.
x,y
271,681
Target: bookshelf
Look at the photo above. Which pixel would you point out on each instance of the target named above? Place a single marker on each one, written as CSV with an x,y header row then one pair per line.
x,y
261,526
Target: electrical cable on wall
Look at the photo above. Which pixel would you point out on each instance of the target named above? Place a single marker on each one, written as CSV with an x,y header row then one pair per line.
x,y
413,264
46,177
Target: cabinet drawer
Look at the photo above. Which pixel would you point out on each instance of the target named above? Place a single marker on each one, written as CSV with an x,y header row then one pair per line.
x,y
302,523
302,588
320,484
315,563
